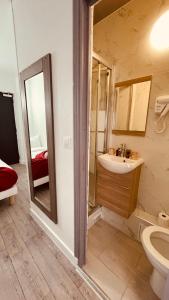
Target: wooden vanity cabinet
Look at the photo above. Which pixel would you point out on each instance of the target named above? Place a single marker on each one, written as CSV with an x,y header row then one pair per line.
x,y
118,192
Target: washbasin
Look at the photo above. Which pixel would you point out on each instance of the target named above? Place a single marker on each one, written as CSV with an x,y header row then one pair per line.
x,y
119,165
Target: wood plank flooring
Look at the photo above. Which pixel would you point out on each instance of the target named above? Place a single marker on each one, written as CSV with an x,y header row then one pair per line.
x,y
31,266
42,194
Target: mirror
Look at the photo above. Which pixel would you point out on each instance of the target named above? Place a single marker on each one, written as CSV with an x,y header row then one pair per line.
x,y
38,119
131,106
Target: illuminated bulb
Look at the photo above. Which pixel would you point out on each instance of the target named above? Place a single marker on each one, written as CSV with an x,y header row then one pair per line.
x,y
160,33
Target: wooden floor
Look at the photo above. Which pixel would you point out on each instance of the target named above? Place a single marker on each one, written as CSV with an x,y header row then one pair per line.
x,y
42,195
31,267
118,264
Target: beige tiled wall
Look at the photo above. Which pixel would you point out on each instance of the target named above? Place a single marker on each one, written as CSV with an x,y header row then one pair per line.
x,y
123,38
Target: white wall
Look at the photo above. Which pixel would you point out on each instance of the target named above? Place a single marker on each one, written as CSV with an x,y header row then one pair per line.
x,y
46,27
8,67
36,110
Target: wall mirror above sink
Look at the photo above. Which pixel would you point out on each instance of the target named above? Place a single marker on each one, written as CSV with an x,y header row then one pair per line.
x,y
130,107
36,87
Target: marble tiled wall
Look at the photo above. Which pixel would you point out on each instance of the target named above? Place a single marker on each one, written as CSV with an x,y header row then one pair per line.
x,y
123,38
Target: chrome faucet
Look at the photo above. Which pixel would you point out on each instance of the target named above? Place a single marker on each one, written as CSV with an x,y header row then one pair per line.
x,y
123,150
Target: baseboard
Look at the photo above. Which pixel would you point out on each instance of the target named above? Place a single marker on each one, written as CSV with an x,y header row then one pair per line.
x,y
94,217
54,237
132,226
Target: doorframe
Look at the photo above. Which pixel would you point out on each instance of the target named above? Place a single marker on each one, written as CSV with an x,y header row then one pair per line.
x,y
81,93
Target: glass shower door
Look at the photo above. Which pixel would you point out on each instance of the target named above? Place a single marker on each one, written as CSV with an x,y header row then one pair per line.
x,y
98,122
93,133
102,111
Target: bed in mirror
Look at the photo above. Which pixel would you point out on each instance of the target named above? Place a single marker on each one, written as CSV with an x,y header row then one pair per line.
x,y
36,84
130,107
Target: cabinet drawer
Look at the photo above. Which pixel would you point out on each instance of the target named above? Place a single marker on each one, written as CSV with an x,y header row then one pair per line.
x,y
120,197
107,180
120,211
119,179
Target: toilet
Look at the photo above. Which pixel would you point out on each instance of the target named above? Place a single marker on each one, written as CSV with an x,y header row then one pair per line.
x,y
155,241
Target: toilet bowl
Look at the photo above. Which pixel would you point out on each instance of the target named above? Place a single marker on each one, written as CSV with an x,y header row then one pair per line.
x,y
155,241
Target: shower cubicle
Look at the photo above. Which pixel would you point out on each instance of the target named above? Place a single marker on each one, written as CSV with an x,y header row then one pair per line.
x,y
99,118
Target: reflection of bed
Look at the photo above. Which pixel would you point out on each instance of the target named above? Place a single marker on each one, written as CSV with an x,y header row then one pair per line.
x,y
36,150
42,180
11,192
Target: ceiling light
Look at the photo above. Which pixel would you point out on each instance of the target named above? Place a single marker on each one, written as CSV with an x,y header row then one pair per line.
x,y
160,33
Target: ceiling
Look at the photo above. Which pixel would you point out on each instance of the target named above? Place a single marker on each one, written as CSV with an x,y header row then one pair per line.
x,y
106,7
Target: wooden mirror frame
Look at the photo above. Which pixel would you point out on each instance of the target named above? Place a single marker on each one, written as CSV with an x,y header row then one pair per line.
x,y
42,65
129,83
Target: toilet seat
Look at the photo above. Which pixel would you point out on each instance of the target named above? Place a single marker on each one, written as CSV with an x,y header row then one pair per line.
x,y
150,249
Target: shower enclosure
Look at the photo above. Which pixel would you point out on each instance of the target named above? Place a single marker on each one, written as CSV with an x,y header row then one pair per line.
x,y
99,108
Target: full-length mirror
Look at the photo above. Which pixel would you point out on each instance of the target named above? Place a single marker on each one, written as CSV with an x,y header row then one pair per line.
x,y
38,113
131,101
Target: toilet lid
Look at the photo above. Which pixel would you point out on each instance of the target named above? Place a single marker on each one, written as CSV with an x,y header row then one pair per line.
x,y
156,240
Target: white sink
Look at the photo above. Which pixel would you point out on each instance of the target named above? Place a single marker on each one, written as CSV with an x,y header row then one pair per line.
x,y
119,165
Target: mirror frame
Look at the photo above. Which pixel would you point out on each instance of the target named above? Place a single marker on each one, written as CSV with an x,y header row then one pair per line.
x,y
42,65
128,83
